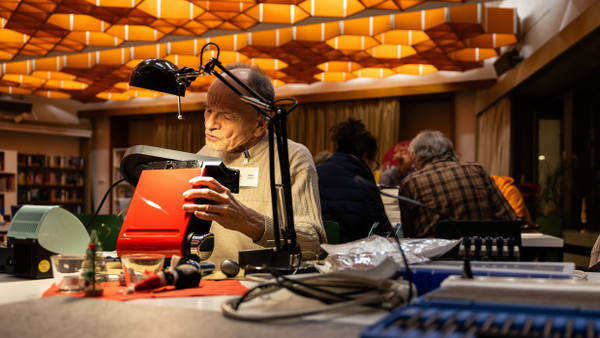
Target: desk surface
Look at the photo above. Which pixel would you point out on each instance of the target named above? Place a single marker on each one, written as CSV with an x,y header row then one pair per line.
x,y
30,315
27,314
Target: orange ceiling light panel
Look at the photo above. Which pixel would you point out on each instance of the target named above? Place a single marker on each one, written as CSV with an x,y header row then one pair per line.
x,y
334,76
277,13
227,6
18,67
402,37
142,93
115,3
115,57
99,42
65,84
95,39
77,22
27,80
112,96
50,75
48,63
225,57
183,60
391,51
170,9
14,90
474,54
268,64
377,73
415,69
191,47
272,38
332,8
135,33
492,40
339,66
352,42
233,42
148,51
86,60
52,94
370,26
316,32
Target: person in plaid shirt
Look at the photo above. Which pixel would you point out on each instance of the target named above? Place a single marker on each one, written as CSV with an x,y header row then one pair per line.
x,y
460,191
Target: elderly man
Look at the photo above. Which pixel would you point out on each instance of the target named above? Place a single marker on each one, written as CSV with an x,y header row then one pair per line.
x,y
393,176
461,191
237,133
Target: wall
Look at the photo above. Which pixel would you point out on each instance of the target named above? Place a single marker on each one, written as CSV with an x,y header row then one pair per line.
x,y
465,124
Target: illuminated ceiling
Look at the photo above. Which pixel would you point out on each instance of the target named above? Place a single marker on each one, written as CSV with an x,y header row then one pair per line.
x,y
86,49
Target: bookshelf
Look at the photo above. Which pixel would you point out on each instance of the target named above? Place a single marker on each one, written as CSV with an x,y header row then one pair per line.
x,y
8,182
51,180
121,195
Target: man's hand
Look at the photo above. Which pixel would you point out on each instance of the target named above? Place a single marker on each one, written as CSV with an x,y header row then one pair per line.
x,y
224,209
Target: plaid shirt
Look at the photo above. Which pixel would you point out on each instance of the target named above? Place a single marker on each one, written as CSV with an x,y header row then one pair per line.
x,y
462,191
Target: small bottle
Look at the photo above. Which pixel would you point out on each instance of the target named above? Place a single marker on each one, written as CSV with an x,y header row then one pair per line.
x,y
94,265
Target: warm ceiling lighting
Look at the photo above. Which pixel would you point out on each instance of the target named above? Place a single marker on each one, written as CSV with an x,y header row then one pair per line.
x,y
51,94
352,42
26,80
99,42
277,13
65,84
332,8
378,73
14,90
113,96
391,51
412,69
339,66
49,75
334,76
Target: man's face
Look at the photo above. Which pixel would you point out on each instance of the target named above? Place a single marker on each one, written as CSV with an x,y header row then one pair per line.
x,y
231,125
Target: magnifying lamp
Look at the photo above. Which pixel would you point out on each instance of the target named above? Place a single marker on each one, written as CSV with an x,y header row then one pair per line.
x,y
164,76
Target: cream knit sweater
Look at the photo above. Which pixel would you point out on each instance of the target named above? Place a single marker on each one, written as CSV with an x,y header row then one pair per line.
x,y
305,198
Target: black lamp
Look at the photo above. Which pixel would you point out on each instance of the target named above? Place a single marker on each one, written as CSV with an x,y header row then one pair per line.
x,y
164,76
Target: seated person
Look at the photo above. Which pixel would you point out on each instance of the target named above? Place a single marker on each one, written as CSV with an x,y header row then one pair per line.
x,y
513,196
237,133
461,191
393,176
343,200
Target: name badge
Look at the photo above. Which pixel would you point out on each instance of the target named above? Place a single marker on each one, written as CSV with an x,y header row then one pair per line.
x,y
248,176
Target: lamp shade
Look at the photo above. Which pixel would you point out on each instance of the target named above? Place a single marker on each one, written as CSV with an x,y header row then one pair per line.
x,y
159,75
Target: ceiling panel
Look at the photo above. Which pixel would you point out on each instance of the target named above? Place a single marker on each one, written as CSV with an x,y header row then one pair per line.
x,y
86,49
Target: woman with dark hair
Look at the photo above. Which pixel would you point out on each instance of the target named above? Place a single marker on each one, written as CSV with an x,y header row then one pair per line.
x,y
355,208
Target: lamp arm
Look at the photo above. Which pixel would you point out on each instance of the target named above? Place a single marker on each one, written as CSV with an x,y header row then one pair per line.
x,y
281,202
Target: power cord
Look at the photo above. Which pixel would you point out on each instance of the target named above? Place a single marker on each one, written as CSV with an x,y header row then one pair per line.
x,y
102,202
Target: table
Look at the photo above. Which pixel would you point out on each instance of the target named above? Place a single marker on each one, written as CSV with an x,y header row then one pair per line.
x,y
26,314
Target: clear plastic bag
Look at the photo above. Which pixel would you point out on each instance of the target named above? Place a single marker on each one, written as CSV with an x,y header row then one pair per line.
x,y
369,252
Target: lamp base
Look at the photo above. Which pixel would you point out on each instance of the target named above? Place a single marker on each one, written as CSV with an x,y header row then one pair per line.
x,y
269,260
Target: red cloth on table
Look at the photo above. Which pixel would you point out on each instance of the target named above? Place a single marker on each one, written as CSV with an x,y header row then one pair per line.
x,y
207,287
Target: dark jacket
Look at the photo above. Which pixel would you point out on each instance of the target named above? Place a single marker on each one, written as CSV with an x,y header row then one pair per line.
x,y
355,207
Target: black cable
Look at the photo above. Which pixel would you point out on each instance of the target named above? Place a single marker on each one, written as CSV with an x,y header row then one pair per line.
x,y
102,202
409,276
